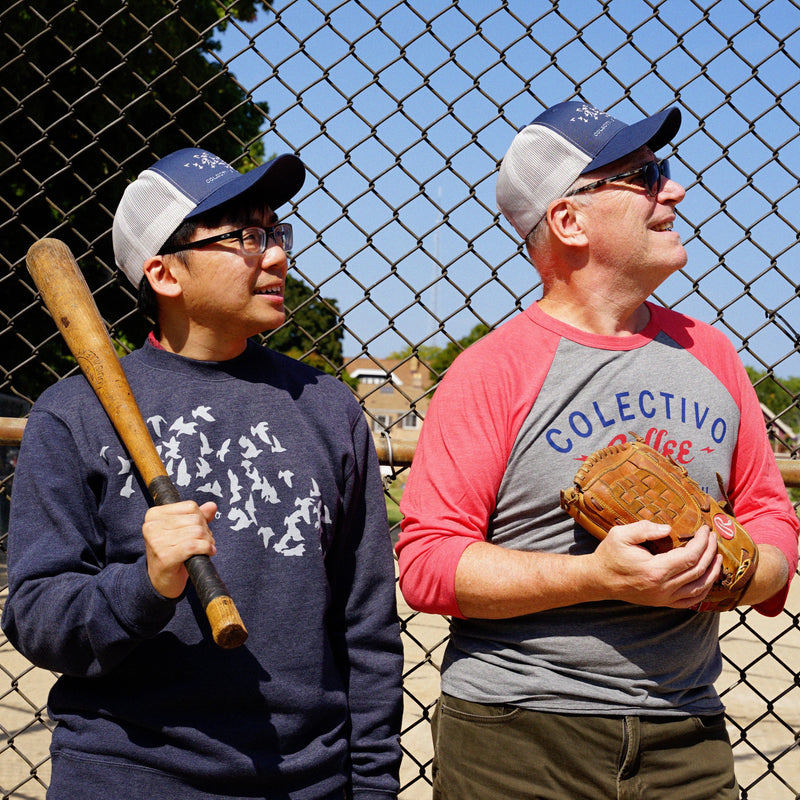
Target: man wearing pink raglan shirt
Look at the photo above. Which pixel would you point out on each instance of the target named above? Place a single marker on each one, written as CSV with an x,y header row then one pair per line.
x,y
578,668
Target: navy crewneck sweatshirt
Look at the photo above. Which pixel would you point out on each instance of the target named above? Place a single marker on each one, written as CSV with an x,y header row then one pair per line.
x,y
147,705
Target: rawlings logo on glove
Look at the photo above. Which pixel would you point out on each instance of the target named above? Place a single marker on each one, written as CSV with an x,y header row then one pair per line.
x,y
629,482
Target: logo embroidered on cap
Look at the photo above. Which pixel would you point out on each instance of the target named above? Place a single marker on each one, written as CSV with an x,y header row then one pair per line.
x,y
587,114
203,160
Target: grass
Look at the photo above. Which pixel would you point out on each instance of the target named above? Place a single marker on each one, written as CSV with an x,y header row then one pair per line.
x,y
392,497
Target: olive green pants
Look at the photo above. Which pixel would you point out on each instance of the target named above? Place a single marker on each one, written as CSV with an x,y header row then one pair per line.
x,y
488,752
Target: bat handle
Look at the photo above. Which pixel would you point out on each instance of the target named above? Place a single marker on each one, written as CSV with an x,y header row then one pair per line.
x,y
227,627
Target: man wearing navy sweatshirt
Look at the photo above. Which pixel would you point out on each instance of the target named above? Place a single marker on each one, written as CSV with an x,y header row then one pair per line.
x,y
280,486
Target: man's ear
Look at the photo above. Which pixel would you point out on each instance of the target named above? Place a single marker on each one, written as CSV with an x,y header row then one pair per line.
x,y
162,274
566,222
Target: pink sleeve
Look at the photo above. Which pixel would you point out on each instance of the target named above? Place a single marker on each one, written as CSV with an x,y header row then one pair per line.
x,y
468,434
755,488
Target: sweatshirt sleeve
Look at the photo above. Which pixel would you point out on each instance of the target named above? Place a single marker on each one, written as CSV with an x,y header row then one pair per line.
x,y
364,624
68,610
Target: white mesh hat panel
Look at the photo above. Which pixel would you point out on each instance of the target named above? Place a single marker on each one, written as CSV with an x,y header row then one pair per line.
x,y
540,166
138,233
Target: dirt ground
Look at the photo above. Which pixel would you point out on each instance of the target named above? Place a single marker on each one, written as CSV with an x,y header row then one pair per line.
x,y
760,685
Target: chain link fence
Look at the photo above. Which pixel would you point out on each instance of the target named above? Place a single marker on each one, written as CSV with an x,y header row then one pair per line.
x,y
401,112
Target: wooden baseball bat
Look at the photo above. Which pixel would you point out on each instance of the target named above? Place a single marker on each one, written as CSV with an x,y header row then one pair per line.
x,y
69,300
11,430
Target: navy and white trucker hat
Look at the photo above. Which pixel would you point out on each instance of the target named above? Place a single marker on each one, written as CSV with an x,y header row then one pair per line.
x,y
183,185
564,142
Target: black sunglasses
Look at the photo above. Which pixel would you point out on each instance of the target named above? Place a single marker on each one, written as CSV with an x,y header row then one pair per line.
x,y
649,174
252,239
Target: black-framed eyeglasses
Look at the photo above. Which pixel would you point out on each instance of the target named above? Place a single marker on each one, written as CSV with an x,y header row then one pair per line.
x,y
649,174
252,240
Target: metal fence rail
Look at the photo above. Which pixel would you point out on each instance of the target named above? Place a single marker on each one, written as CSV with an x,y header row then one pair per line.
x,y
401,112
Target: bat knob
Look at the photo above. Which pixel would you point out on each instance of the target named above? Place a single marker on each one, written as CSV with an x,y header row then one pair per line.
x,y
226,624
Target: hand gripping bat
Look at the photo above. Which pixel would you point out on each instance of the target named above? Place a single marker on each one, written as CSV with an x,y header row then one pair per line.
x,y
66,295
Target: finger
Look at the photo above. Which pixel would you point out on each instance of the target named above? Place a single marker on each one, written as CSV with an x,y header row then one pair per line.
x,y
691,570
178,515
209,511
692,594
693,584
641,531
168,510
699,544
169,524
711,550
709,563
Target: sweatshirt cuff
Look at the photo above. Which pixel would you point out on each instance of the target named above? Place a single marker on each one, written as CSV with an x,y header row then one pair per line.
x,y
136,603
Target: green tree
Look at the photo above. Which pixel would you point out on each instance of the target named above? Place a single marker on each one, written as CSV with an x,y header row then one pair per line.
x,y
438,359
779,395
314,332
94,92
447,355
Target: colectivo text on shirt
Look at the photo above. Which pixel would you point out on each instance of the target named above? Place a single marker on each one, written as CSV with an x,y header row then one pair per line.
x,y
584,423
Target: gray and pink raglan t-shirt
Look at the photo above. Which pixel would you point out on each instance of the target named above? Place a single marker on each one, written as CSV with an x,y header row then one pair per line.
x,y
507,429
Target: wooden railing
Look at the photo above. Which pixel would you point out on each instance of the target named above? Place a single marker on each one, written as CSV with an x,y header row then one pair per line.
x,y
392,454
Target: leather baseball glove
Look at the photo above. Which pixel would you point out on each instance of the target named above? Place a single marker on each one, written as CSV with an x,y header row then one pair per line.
x,y
628,482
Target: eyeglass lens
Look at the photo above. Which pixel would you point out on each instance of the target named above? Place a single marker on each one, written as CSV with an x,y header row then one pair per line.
x,y
256,240
653,171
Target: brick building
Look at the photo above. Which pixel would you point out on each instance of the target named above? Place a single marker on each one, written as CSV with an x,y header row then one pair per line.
x,y
395,393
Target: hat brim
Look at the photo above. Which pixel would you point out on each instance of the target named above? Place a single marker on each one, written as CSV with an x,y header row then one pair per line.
x,y
280,179
655,132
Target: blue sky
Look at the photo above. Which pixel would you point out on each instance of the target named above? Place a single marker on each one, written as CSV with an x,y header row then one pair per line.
x,y
402,133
